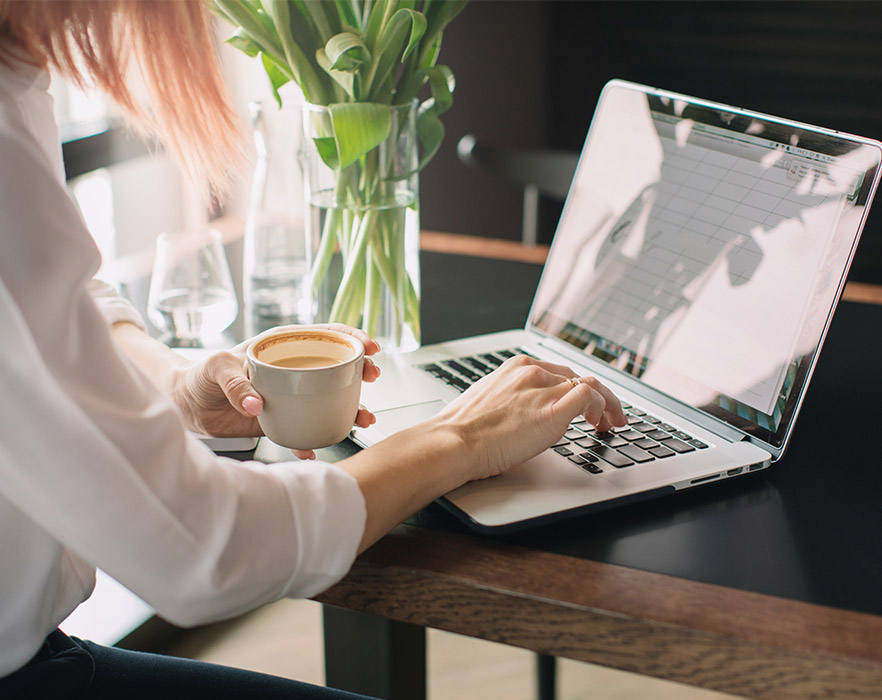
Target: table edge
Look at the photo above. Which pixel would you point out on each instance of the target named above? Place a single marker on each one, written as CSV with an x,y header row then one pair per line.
x,y
683,620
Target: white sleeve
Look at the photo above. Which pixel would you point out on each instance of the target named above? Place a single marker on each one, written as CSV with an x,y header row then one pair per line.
x,y
94,455
112,306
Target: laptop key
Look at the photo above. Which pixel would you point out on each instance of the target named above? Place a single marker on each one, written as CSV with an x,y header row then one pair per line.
x,y
461,369
491,358
696,443
644,427
457,383
678,446
446,377
592,467
611,440
630,435
658,435
614,457
636,453
437,371
680,434
661,451
574,434
576,459
586,443
651,419
646,443
565,451
666,426
588,457
478,365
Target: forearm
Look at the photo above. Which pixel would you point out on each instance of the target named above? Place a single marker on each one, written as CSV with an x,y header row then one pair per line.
x,y
405,473
503,419
155,359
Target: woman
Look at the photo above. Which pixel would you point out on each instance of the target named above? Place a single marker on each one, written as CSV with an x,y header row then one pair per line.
x,y
96,467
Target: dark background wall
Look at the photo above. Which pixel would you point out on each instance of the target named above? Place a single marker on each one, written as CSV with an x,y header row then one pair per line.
x,y
529,73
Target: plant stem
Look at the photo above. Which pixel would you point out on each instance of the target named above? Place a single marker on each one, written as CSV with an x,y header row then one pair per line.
x,y
346,290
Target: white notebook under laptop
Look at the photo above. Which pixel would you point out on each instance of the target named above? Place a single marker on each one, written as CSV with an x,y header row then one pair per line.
x,y
695,269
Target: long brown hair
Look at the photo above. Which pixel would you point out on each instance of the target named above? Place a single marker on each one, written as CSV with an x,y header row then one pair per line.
x,y
172,43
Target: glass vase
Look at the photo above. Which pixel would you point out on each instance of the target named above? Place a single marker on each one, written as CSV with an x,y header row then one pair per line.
x,y
363,229
275,260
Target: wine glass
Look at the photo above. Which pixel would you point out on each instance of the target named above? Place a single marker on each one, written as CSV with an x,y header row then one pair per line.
x,y
191,296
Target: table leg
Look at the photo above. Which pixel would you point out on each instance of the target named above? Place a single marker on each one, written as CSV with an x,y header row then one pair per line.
x,y
374,656
546,677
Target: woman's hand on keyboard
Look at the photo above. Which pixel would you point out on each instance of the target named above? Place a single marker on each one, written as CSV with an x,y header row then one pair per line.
x,y
522,408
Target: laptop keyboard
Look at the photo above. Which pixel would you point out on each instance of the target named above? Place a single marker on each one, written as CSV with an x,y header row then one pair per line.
x,y
644,439
462,372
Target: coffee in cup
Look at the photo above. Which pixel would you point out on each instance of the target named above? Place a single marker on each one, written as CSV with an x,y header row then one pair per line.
x,y
310,381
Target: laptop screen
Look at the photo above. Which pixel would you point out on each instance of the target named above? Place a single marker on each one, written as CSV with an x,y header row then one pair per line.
x,y
702,249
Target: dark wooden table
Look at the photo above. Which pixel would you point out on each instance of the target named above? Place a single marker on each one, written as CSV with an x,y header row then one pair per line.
x,y
769,586
766,586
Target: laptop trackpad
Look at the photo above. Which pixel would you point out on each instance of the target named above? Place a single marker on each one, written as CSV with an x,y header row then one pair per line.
x,y
393,420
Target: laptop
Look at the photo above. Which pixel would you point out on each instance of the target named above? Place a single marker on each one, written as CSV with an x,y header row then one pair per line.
x,y
695,269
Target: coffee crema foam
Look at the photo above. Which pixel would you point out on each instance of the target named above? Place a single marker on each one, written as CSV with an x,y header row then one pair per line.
x,y
306,361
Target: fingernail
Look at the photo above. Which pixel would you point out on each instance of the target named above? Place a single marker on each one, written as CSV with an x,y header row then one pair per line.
x,y
252,405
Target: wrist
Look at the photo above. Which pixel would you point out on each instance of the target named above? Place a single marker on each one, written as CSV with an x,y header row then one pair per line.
x,y
175,385
407,471
459,454
160,363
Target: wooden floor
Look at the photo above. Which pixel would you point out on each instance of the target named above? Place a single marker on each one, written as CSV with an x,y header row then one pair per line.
x,y
284,639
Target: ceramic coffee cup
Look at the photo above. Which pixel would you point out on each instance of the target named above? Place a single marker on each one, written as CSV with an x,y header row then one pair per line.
x,y
310,381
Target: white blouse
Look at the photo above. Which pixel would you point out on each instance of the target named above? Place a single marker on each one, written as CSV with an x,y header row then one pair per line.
x,y
96,468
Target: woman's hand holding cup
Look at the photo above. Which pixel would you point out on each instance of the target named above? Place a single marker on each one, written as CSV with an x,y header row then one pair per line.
x,y
310,380
218,398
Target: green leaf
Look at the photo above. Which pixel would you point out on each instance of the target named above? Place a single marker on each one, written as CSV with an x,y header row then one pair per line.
x,y
439,14
344,79
397,39
347,52
348,11
277,76
298,64
380,14
366,9
303,29
442,83
258,26
315,11
417,22
430,131
358,128
240,40
327,150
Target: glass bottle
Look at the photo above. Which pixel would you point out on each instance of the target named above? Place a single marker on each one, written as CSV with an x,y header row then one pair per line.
x,y
276,271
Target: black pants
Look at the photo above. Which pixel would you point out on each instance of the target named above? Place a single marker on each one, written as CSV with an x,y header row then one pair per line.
x,y
67,667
